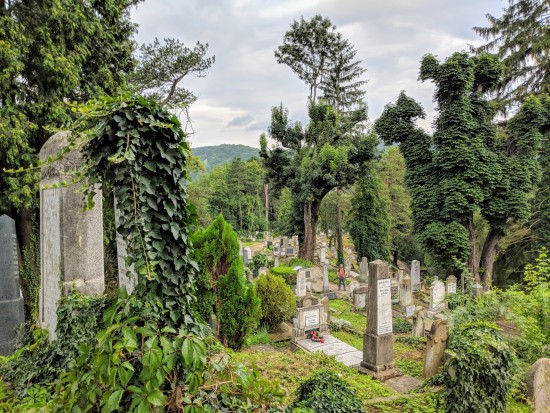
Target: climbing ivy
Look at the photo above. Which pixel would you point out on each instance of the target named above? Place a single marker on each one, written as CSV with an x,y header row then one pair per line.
x,y
152,352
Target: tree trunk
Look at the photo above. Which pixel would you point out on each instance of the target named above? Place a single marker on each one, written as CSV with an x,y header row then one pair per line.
x,y
266,193
473,260
488,256
339,238
311,216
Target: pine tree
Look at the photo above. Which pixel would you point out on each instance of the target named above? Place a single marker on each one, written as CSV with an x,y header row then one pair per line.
x,y
521,38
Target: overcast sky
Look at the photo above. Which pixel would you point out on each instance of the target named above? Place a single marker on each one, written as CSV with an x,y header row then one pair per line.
x,y
235,99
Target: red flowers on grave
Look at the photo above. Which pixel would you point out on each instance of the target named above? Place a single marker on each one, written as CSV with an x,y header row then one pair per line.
x,y
314,336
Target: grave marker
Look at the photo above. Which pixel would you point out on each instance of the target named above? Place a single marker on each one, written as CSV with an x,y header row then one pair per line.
x,y
451,284
12,313
71,239
301,286
378,338
435,347
437,298
415,275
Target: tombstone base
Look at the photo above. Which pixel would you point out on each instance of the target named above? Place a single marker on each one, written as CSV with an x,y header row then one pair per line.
x,y
92,286
377,352
12,315
381,375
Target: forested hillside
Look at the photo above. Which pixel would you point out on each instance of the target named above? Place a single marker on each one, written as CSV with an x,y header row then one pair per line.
x,y
212,156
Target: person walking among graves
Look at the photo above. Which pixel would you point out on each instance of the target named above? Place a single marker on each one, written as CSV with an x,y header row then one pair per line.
x,y
342,277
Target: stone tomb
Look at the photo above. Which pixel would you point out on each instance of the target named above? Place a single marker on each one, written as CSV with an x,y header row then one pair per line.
x,y
435,347
378,338
364,269
247,256
310,315
451,284
11,301
71,240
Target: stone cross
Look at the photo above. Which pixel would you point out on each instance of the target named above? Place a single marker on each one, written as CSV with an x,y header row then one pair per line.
x,y
71,239
415,275
435,348
451,284
378,337
12,313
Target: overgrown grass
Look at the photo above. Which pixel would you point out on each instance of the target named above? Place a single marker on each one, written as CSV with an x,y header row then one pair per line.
x,y
259,337
290,369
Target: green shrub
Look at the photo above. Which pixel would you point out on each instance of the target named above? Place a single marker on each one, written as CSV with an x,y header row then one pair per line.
x,y
294,262
277,299
401,326
477,377
326,392
288,274
258,261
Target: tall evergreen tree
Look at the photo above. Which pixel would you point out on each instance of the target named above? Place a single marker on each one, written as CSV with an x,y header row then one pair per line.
x,y
369,224
521,38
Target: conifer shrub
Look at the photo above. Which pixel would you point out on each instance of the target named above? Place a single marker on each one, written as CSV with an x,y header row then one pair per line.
x,y
277,300
239,311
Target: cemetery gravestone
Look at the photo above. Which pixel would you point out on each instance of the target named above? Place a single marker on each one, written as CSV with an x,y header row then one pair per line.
x,y
11,301
127,277
538,385
419,329
406,297
364,269
451,284
360,297
301,286
415,275
435,348
71,239
247,256
326,286
437,298
323,253
310,315
352,286
395,291
378,338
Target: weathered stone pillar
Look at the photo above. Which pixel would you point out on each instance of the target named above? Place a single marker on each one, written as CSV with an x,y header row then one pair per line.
x,y
127,277
415,275
326,286
71,239
378,338
12,313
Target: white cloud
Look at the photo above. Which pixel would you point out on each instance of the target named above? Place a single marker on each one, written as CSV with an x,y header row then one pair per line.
x,y
236,97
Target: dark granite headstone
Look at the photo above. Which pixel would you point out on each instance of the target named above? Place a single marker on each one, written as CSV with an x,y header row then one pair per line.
x,y
11,302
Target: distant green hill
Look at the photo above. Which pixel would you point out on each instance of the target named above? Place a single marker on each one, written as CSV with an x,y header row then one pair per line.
x,y
213,156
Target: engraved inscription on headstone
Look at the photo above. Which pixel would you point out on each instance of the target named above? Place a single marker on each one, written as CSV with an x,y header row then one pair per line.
x,y
311,318
384,307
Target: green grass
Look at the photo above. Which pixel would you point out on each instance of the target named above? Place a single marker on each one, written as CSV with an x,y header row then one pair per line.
x,y
259,337
289,369
410,367
358,321
352,339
